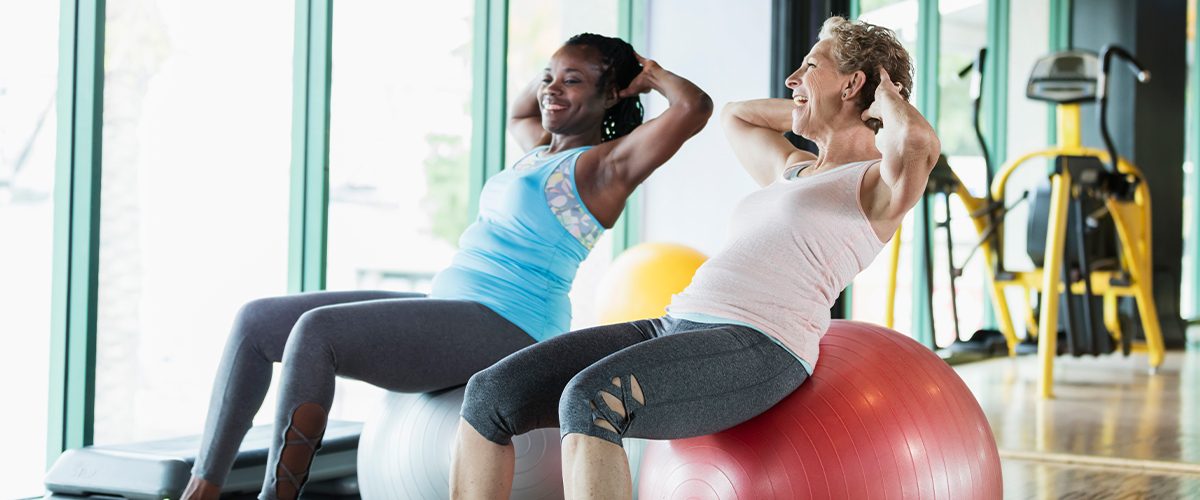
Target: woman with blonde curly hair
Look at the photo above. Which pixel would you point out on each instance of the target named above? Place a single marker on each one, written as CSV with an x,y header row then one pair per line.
x,y
745,333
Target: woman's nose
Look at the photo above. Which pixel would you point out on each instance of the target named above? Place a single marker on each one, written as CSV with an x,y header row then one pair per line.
x,y
793,80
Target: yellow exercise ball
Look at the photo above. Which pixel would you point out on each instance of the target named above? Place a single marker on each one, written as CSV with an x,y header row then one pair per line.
x,y
640,282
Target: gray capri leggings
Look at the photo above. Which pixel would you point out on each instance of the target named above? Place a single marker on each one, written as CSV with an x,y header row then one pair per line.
x,y
399,341
664,378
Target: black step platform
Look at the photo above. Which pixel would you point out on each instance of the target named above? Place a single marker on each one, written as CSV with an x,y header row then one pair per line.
x,y
154,470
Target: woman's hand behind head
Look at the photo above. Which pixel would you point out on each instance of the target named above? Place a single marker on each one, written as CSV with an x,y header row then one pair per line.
x,y
887,91
643,82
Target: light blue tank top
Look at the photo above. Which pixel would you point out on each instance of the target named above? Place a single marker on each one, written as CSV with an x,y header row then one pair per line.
x,y
520,255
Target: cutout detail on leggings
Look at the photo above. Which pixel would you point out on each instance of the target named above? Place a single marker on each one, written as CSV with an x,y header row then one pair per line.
x,y
613,407
613,403
301,441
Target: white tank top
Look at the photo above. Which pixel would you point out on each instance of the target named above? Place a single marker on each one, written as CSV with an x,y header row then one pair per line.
x,y
793,247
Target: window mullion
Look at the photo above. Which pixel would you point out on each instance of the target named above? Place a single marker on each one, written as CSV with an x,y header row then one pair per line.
x,y
309,226
488,106
631,27
928,48
72,388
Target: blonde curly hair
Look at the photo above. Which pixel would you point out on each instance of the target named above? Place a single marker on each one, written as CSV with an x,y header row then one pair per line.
x,y
859,46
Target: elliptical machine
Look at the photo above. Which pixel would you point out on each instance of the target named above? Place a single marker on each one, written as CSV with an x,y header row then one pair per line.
x,y
1089,227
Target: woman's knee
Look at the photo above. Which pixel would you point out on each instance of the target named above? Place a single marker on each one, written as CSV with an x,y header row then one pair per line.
x,y
256,326
262,311
492,407
600,404
315,331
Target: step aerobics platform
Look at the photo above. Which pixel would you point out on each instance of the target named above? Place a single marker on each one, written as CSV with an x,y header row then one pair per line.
x,y
154,470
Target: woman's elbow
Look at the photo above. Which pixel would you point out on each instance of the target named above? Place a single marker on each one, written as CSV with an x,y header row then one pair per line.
x,y
698,109
923,144
701,106
934,149
705,104
730,112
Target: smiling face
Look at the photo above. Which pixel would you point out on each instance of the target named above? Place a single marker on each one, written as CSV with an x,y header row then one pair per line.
x,y
570,99
817,88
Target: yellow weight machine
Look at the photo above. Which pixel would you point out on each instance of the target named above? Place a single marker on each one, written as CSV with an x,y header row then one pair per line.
x,y
1088,191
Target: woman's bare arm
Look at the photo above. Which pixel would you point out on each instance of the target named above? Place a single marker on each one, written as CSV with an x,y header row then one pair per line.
x,y
755,131
908,143
525,124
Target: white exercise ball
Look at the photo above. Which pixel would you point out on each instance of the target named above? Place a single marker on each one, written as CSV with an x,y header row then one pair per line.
x,y
404,451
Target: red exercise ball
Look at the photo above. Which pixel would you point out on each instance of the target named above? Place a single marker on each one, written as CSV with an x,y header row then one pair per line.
x,y
881,417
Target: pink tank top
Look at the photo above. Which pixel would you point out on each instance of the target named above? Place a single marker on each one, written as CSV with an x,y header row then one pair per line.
x,y
793,246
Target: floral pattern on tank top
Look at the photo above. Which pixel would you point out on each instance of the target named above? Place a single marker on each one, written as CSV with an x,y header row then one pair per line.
x,y
563,200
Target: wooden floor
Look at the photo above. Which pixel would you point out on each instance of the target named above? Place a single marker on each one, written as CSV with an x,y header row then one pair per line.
x,y
1112,430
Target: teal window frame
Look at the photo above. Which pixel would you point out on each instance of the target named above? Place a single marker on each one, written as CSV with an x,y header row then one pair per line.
x,y
995,88
929,37
489,52
80,101
995,107
631,26
1192,183
308,231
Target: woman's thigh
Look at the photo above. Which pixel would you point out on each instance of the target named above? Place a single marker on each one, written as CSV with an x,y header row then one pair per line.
x,y
687,384
521,392
405,345
264,324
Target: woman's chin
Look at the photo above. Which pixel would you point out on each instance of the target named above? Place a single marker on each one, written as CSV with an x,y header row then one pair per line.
x,y
551,125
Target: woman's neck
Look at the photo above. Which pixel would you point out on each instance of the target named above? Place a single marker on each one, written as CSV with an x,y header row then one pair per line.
x,y
563,142
847,145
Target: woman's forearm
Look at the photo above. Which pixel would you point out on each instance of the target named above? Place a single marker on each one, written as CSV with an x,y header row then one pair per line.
x,y
676,89
909,147
771,114
525,105
905,133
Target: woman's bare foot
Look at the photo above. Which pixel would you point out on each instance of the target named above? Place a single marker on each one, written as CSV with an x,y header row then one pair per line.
x,y
200,489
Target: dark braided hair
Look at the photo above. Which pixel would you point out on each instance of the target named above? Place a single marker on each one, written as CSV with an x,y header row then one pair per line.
x,y
620,68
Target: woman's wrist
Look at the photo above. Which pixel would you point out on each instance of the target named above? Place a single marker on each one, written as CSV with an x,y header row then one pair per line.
x,y
657,79
769,113
525,105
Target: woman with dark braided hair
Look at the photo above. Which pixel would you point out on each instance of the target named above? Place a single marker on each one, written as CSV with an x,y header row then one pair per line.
x,y
506,289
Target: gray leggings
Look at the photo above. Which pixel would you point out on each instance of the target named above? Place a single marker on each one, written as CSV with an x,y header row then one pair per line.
x,y
664,378
399,341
